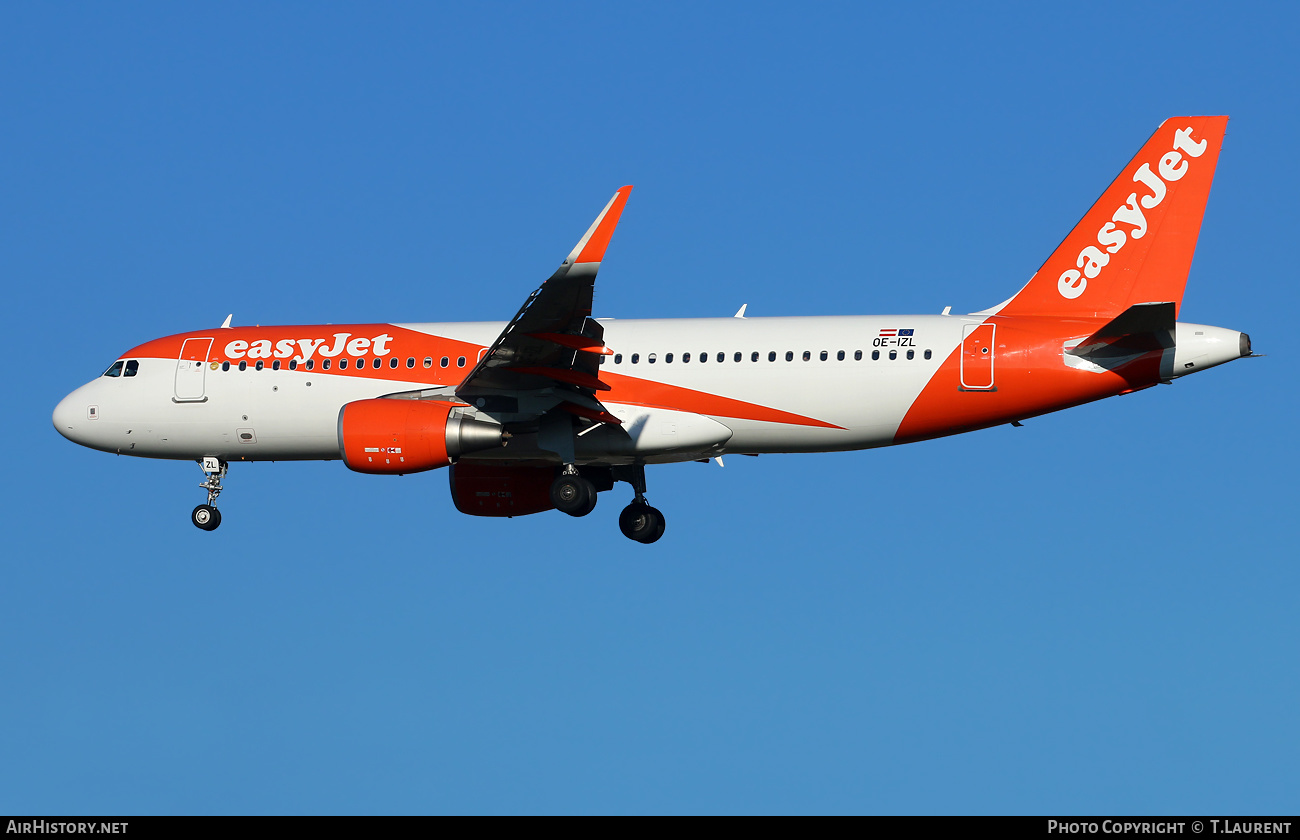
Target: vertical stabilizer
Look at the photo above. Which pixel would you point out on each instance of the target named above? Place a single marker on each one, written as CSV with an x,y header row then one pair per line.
x,y
1136,243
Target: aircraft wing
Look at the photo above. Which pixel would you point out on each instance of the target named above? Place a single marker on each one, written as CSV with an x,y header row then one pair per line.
x,y
552,346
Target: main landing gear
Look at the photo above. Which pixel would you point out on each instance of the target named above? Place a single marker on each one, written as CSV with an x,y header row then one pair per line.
x,y
638,521
572,493
575,494
207,517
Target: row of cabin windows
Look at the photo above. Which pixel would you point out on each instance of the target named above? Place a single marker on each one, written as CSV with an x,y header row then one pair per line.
x,y
771,356
325,364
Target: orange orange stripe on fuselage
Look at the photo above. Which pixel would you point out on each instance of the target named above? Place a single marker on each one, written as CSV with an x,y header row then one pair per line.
x,y
1030,379
643,392
233,345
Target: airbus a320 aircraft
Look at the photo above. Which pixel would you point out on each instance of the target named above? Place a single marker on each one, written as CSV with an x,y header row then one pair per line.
x,y
550,409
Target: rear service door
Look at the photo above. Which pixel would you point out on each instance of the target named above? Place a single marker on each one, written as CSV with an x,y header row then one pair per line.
x,y
191,368
977,357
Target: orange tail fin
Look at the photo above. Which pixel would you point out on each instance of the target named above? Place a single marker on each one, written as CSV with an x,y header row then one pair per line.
x,y
1136,243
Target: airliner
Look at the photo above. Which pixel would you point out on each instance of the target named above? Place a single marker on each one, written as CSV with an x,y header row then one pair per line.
x,y
552,408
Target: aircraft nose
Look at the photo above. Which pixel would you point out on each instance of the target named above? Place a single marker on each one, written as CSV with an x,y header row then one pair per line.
x,y
66,416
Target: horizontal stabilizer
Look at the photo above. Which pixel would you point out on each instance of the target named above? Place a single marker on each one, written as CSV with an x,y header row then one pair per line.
x,y
1142,328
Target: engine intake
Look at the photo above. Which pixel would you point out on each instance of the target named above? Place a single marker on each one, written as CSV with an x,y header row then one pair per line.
x,y
394,436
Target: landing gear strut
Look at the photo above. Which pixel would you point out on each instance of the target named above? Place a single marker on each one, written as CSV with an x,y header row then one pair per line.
x,y
573,494
207,517
639,521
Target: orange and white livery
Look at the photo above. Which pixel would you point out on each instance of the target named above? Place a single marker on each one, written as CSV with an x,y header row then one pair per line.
x,y
553,407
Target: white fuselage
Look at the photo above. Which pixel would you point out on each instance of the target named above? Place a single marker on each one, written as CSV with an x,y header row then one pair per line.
x,y
684,388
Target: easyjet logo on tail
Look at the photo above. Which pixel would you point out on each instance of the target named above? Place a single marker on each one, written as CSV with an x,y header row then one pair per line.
x,y
1110,239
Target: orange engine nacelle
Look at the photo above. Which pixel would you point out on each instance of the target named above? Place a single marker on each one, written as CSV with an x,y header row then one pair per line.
x,y
395,436
489,490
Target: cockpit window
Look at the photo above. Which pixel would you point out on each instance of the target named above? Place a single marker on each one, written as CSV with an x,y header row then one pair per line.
x,y
115,370
132,367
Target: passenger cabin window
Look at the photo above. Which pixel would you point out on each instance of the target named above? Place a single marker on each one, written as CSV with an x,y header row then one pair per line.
x,y
927,354
343,364
275,365
686,357
722,357
428,361
244,365
636,357
311,363
875,355
893,354
857,355
704,357
444,361
115,369
789,355
753,357
668,358
737,357
410,362
260,364
325,365
226,365
131,368
807,354
771,356
293,364
911,354
392,363
823,355
618,358
652,358
460,361
839,356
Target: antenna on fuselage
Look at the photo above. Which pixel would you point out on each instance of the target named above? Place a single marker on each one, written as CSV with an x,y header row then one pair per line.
x,y
740,313
225,325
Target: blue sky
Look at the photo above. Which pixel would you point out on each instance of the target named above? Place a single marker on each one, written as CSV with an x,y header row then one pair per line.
x,y
1094,613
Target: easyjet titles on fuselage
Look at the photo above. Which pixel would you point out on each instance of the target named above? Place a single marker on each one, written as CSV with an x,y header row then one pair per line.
x,y
285,348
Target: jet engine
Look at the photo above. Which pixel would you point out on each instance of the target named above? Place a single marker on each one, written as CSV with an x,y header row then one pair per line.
x,y
396,436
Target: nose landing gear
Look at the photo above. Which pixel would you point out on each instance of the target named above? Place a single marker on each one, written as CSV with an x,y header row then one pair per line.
x,y
207,517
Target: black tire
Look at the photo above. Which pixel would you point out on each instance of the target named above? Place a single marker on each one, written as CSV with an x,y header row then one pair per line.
x,y
205,517
660,526
641,523
591,498
573,494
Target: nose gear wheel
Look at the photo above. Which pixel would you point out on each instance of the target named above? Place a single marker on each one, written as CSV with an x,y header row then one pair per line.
x,y
207,517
